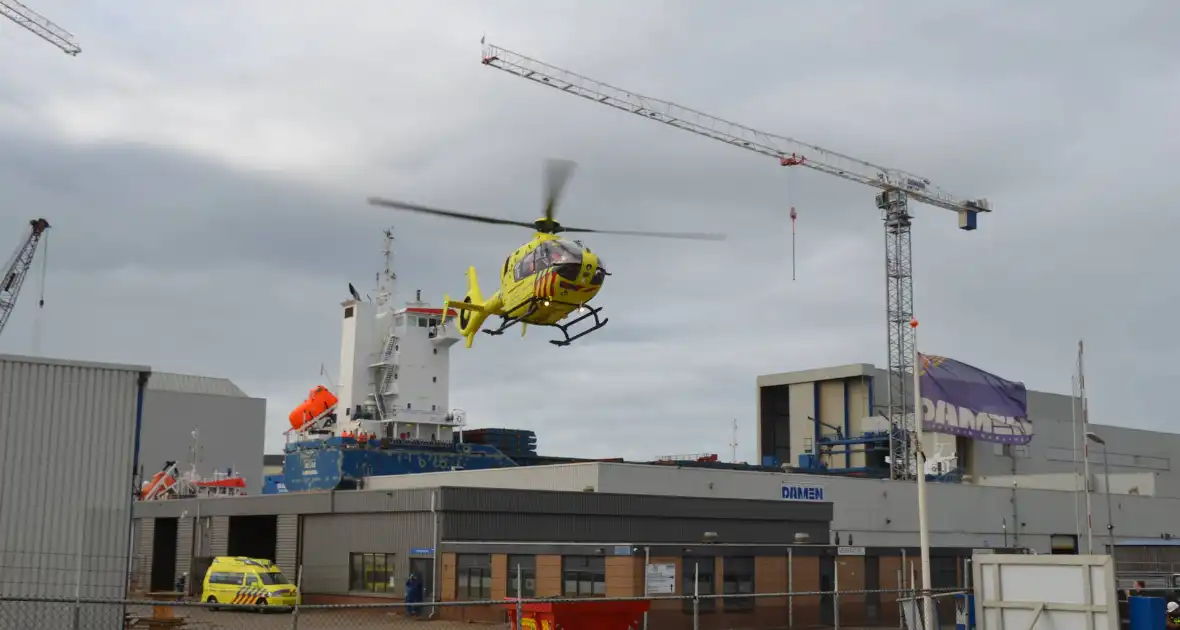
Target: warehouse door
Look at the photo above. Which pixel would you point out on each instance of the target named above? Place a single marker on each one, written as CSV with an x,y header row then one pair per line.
x,y
164,554
424,567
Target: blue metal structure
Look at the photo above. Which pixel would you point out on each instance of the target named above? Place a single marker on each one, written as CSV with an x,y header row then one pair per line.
x,y
340,463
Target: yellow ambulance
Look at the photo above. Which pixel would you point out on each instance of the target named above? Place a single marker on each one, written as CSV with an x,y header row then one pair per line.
x,y
247,582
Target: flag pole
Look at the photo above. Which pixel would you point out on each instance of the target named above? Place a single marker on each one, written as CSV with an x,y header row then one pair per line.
x,y
920,466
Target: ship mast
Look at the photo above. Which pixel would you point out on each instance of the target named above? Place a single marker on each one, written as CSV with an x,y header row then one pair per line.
x,y
387,278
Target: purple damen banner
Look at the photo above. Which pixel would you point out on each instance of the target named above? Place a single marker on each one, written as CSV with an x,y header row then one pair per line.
x,y
960,399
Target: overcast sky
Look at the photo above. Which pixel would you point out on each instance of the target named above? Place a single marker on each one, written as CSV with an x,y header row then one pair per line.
x,y
205,167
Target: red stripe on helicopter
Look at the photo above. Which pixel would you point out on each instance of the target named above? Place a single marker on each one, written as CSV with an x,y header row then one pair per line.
x,y
552,283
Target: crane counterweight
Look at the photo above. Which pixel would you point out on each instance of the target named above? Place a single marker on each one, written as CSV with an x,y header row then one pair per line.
x,y
897,188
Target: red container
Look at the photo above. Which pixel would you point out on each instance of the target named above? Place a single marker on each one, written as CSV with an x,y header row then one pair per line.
x,y
579,615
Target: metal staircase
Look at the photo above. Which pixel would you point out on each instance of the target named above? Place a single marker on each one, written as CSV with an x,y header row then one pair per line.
x,y
387,375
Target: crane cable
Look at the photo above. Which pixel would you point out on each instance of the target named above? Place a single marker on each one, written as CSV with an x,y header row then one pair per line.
x,y
44,263
794,215
37,319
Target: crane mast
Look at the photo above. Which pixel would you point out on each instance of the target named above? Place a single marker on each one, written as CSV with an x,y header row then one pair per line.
x,y
40,26
897,188
18,267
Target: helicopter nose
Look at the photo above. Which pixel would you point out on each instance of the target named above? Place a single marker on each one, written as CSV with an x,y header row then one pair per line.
x,y
569,271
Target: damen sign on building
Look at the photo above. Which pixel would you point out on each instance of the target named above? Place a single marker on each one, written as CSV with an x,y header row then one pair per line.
x,y
959,399
803,492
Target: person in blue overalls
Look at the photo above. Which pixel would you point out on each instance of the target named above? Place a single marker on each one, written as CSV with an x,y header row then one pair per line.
x,y
413,595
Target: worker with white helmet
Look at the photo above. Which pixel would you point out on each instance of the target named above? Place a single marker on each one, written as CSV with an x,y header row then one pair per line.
x,y
1173,620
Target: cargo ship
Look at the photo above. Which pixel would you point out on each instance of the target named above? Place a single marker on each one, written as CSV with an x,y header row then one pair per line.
x,y
390,414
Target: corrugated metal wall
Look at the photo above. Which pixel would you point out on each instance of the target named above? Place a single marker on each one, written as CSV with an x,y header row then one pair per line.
x,y
287,545
141,570
67,443
219,536
184,546
328,540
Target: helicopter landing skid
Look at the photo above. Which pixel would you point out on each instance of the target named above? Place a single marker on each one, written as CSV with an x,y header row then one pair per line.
x,y
564,328
508,322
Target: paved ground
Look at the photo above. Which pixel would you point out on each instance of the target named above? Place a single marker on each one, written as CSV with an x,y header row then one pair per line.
x,y
343,619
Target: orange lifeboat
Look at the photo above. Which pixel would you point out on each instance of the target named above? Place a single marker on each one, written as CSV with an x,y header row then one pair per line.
x,y
168,482
319,400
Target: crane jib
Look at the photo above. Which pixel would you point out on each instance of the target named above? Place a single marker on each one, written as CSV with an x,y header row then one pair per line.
x,y
897,188
780,147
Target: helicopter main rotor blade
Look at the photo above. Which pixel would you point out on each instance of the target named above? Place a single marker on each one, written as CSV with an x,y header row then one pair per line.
x,y
413,207
557,175
692,236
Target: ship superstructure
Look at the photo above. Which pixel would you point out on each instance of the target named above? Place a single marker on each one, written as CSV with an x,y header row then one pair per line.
x,y
395,365
390,413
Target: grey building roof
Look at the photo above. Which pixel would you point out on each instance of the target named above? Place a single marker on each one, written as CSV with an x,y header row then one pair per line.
x,y
190,384
19,358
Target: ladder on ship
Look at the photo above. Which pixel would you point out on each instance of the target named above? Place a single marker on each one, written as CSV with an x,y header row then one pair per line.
x,y
388,372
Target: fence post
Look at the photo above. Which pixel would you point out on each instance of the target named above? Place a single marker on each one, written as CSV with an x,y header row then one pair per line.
x,y
646,584
836,592
790,587
898,595
696,595
298,597
77,621
519,595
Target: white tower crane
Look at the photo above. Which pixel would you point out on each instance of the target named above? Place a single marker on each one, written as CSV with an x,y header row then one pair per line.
x,y
40,26
896,187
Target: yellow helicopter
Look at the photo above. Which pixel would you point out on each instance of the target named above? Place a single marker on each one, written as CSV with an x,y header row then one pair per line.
x,y
544,280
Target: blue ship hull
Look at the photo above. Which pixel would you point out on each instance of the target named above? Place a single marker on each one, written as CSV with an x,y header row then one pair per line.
x,y
341,463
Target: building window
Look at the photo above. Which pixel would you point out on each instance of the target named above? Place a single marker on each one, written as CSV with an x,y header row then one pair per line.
x,y
1063,544
474,572
583,576
526,568
699,574
738,576
372,573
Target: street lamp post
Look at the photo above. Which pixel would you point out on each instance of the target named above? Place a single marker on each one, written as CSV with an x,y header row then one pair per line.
x,y
1094,437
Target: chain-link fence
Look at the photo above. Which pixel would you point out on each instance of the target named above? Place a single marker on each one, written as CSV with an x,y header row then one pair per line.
x,y
848,609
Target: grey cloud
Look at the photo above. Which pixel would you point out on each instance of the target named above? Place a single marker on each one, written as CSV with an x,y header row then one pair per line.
x,y
165,254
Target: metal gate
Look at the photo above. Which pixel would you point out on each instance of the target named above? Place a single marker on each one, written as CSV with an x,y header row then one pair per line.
x,y
184,550
287,545
219,536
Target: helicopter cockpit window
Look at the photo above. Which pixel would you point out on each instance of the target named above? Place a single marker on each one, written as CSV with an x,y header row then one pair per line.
x,y
525,267
552,253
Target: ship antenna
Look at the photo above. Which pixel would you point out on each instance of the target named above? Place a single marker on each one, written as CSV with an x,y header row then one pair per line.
x,y
387,279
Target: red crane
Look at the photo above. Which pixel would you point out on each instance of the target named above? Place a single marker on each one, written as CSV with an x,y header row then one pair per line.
x,y
18,267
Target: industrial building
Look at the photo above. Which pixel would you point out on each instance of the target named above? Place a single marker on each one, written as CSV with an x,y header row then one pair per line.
x,y
212,416
360,545
815,514
68,445
76,438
